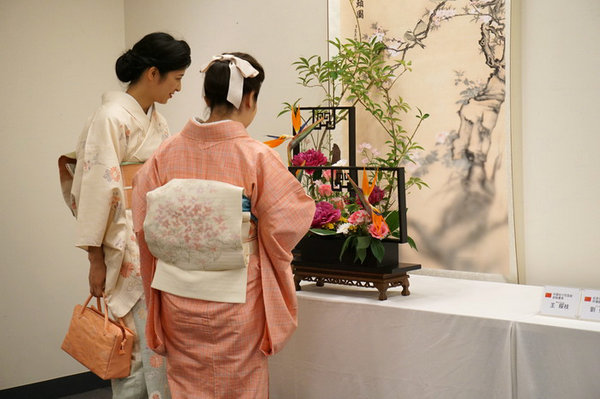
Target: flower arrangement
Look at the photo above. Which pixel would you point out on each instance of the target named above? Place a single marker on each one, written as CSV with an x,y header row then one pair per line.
x,y
344,209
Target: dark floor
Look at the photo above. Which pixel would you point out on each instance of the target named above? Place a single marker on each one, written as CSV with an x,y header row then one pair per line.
x,y
103,393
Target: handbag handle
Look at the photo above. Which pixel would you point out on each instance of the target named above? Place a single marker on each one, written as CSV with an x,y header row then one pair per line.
x,y
121,325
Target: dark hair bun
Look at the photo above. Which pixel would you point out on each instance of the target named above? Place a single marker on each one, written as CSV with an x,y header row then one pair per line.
x,y
129,67
156,49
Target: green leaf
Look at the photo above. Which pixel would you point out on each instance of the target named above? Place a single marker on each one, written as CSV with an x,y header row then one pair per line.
x,y
411,243
363,242
347,244
393,220
323,232
378,249
361,253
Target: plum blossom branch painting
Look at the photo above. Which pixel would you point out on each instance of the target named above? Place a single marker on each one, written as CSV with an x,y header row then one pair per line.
x,y
459,55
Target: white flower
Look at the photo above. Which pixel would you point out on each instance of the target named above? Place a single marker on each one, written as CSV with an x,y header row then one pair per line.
x,y
343,228
341,162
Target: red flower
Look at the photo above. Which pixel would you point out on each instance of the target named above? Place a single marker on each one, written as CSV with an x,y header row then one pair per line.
x,y
376,195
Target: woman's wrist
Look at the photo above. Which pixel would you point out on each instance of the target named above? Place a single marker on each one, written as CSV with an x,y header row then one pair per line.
x,y
95,254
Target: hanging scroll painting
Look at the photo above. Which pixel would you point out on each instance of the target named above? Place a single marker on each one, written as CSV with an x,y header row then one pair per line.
x,y
459,54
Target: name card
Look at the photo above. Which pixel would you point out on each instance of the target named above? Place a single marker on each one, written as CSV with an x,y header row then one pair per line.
x,y
589,308
561,301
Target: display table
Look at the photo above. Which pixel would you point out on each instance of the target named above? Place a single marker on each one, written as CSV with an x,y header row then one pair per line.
x,y
450,338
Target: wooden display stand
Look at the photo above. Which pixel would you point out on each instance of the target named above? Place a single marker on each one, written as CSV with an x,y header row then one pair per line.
x,y
380,278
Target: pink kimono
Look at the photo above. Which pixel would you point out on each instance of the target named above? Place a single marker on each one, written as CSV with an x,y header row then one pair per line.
x,y
215,349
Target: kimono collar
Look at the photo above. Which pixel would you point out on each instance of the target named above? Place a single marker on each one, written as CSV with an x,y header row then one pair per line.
x,y
130,104
216,131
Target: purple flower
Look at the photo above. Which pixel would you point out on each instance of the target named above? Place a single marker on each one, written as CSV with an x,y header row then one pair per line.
x,y
325,213
376,195
309,158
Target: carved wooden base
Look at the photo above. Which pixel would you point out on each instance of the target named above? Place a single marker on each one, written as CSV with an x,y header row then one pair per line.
x,y
382,280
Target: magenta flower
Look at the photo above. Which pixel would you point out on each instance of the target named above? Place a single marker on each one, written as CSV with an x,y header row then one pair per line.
x,y
376,195
325,213
309,158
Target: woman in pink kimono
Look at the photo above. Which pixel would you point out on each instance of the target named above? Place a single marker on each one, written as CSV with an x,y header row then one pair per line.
x,y
217,321
126,129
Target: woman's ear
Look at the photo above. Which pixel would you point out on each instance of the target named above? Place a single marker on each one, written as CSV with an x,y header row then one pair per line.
x,y
249,100
152,74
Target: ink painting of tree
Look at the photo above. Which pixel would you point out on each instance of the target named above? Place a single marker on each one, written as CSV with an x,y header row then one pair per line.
x,y
459,52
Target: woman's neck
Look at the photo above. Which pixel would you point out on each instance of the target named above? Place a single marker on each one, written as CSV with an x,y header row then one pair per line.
x,y
217,115
144,100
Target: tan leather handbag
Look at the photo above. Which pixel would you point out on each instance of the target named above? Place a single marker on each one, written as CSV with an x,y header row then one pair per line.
x,y
99,343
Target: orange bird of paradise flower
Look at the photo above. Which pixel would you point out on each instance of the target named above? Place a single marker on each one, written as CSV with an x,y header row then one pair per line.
x,y
363,197
296,125
300,133
367,188
277,140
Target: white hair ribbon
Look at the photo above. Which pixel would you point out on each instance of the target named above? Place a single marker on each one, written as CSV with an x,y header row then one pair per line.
x,y
238,70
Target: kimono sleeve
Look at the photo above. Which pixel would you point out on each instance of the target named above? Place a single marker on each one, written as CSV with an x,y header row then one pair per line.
x,y
284,213
97,185
145,181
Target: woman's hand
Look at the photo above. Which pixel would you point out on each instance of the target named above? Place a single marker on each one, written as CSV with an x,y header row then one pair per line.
x,y
97,276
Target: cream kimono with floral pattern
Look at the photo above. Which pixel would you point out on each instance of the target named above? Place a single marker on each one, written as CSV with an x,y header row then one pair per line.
x,y
118,132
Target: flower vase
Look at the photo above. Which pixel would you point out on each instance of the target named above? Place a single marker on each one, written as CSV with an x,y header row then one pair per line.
x,y
324,251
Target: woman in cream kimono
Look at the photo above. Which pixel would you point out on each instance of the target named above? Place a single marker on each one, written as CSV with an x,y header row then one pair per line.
x,y
125,129
218,320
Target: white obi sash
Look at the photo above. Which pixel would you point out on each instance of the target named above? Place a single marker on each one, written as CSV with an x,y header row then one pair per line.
x,y
200,236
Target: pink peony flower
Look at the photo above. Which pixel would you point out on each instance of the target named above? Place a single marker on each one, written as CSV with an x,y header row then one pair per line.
x,y
376,195
326,175
325,190
309,158
325,213
380,232
359,217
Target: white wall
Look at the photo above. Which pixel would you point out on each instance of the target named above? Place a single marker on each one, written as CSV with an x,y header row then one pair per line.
x,y
560,52
275,32
57,58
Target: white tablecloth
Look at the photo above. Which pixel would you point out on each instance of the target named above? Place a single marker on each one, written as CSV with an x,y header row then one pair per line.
x,y
449,339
